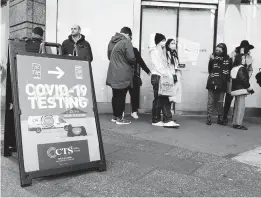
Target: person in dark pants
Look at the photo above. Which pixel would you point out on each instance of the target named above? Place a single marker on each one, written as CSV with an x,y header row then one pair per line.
x,y
219,68
134,91
120,71
244,50
160,68
76,45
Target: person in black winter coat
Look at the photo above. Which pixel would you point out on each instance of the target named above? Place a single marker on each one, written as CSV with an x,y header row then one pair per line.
x,y
120,71
240,89
219,67
137,82
76,45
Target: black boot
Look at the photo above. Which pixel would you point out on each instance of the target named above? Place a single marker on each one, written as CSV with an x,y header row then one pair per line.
x,y
220,120
225,120
209,122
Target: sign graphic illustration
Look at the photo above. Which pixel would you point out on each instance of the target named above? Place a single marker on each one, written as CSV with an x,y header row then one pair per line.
x,y
38,123
59,72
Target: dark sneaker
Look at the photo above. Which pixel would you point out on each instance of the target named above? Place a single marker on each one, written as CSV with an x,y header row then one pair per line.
x,y
122,121
209,122
241,127
224,121
220,120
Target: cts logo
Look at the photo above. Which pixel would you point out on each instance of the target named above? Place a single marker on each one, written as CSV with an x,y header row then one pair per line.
x,y
53,152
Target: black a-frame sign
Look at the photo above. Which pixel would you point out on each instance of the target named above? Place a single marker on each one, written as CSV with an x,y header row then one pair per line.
x,y
40,88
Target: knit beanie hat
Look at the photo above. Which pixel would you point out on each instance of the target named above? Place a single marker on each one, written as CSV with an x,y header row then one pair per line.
x,y
38,31
158,38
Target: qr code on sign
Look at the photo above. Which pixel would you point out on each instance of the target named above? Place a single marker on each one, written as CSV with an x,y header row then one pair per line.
x,y
36,69
78,72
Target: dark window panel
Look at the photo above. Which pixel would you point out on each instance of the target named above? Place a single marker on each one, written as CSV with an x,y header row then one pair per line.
x,y
246,1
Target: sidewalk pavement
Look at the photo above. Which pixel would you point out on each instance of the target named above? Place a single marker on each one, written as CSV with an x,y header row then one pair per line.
x,y
146,161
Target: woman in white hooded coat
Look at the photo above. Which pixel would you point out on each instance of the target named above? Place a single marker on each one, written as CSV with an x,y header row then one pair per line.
x,y
160,68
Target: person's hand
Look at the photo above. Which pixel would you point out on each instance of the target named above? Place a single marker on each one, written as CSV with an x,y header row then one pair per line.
x,y
211,56
150,74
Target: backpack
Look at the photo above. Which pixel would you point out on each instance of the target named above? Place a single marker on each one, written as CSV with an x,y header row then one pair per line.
x,y
258,77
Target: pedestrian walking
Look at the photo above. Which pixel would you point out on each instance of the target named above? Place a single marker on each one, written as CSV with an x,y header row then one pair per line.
x,y
76,45
173,61
240,89
218,68
120,72
160,69
247,61
137,82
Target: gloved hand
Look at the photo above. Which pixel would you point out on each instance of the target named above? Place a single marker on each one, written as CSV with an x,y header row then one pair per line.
x,y
251,91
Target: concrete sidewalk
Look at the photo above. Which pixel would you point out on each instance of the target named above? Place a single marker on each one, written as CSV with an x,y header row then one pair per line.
x,y
143,160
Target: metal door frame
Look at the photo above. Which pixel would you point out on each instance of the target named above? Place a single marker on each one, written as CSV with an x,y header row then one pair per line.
x,y
217,5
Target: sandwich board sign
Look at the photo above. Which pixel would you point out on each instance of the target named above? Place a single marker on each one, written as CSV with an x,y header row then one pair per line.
x,y
44,89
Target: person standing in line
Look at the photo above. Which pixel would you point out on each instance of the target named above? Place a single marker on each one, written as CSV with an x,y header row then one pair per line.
x,y
247,61
33,44
240,89
218,68
120,71
76,45
173,61
160,68
137,82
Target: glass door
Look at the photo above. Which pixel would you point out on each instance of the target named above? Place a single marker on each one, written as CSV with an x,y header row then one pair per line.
x,y
196,38
154,20
194,25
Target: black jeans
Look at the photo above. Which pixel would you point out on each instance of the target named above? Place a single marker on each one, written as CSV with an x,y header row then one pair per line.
x,y
118,101
134,94
160,103
228,101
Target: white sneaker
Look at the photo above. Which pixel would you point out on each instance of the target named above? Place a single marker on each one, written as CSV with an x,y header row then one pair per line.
x,y
135,115
160,124
114,119
122,121
171,124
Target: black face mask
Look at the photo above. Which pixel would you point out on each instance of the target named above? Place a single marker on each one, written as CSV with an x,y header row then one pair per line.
x,y
218,53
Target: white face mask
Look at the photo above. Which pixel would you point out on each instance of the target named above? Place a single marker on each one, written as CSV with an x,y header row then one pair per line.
x,y
242,50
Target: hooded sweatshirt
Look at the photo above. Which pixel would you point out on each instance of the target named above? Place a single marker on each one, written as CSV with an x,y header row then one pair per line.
x,y
84,47
158,59
122,61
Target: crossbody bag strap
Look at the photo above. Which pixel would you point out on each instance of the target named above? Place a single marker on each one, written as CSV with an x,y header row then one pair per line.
x,y
113,49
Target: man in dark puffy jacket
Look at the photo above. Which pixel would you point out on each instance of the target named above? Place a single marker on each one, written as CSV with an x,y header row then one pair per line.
x,y
76,45
120,71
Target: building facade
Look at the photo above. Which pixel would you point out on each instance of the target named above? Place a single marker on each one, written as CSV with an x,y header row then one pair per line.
x,y
197,25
